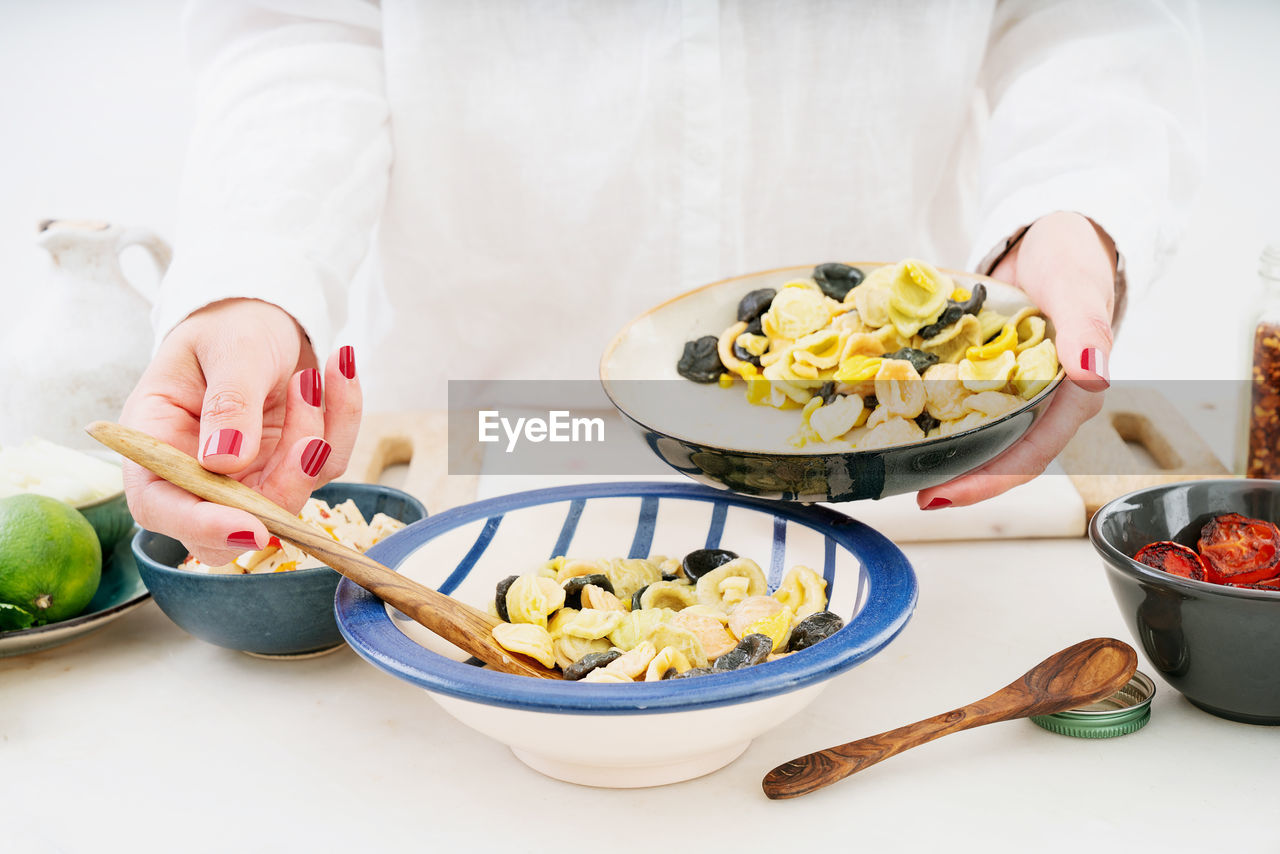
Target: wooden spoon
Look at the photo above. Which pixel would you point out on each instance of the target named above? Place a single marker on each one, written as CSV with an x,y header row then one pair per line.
x,y
1078,675
467,627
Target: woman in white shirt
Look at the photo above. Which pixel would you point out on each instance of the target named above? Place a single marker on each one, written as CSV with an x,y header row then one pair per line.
x,y
514,171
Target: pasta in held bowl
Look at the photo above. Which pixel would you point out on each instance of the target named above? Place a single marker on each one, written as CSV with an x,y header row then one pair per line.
x,y
577,572
836,382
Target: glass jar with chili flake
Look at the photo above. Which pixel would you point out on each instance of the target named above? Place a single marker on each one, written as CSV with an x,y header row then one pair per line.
x,y
1263,424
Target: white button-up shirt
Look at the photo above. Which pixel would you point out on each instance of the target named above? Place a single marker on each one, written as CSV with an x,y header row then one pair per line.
x,y
520,178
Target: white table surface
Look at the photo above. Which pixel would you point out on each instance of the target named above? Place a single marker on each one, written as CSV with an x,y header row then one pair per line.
x,y
142,738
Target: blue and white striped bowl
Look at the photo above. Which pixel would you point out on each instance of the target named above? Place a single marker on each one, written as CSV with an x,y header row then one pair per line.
x,y
466,550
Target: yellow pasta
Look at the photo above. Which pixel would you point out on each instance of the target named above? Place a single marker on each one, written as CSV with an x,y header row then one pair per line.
x,y
668,594
679,627
898,388
636,626
630,574
803,591
894,431
1036,367
868,353
526,639
718,587
532,598
952,343
591,624
917,296
988,374
668,658
685,641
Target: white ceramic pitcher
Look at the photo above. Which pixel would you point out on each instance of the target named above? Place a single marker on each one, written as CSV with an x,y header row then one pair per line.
x,y
80,336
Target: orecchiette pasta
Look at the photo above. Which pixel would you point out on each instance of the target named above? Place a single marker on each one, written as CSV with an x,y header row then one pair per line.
x,y
630,574
944,392
668,594
600,599
751,610
527,639
854,368
569,649
679,625
669,635
898,388
636,626
719,584
532,598
894,431
591,624
710,632
1033,365
918,296
634,661
668,658
987,374
992,404
803,591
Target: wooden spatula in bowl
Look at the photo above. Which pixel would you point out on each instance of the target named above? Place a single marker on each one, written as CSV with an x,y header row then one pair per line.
x,y
456,622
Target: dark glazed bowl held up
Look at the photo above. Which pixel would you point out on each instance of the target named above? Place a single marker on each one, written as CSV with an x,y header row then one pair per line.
x,y
715,436
1217,645
844,476
270,614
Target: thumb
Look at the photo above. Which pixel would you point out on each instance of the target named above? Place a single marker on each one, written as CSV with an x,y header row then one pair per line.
x,y
1064,264
231,414
1083,338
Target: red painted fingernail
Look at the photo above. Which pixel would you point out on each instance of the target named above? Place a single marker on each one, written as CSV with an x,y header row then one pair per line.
x,y
311,386
242,540
224,441
937,503
313,458
1093,360
347,362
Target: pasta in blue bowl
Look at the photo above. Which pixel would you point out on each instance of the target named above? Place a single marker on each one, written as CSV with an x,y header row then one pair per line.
x,y
568,729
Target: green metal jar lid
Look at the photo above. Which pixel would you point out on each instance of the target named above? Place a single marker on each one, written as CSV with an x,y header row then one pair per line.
x,y
1125,711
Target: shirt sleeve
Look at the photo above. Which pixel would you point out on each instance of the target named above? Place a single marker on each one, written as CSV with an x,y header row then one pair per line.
x,y
1096,107
286,172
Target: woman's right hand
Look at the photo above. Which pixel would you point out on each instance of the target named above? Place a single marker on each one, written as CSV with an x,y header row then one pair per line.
x,y
236,385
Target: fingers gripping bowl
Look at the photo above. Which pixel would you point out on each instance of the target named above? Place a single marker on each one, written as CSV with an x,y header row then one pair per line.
x,y
726,438
650,733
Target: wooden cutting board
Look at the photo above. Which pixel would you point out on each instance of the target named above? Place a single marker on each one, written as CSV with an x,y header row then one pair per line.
x,y
420,441
1138,439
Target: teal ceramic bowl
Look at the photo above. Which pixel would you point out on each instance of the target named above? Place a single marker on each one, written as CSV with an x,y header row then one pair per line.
x,y
110,519
278,615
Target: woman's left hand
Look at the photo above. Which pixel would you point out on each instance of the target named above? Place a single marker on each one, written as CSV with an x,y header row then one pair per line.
x,y
1066,266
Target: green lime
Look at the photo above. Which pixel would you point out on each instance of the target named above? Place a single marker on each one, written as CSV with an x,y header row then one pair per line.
x,y
50,559
12,617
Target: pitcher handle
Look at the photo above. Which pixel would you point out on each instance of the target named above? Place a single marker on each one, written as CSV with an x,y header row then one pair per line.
x,y
159,250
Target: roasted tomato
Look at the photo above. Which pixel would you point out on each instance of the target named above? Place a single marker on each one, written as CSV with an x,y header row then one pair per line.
x,y
1173,558
1269,584
1240,550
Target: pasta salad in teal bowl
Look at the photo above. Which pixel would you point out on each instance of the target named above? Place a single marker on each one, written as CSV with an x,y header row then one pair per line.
x,y
805,594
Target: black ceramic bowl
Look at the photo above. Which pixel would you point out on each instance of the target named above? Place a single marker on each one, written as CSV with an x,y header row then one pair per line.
x,y
716,437
1219,646
279,614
